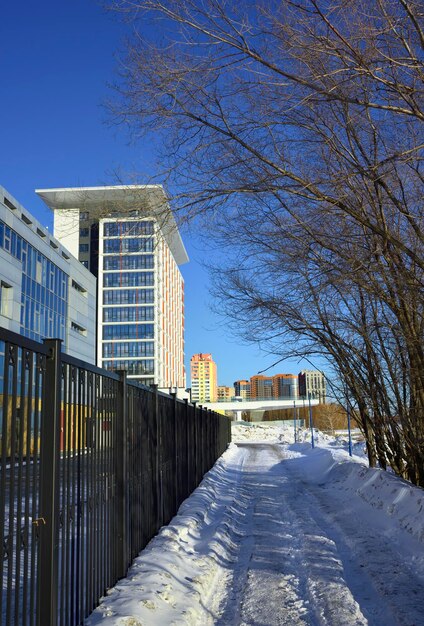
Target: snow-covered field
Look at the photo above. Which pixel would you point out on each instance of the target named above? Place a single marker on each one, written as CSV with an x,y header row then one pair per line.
x,y
279,533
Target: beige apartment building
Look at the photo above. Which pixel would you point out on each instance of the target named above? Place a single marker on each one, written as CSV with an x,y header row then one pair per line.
x,y
225,393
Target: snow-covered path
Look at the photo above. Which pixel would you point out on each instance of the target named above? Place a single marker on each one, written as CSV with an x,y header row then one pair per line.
x,y
306,558
279,534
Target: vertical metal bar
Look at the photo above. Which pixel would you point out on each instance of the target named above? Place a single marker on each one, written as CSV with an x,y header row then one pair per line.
x,y
186,464
157,458
73,400
176,453
29,359
49,488
4,440
81,409
11,544
20,421
295,421
121,483
311,425
39,385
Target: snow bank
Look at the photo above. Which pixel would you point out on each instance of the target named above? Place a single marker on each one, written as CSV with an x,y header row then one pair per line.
x,y
400,500
172,578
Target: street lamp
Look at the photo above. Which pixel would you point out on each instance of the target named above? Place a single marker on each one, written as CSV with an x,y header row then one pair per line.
x,y
348,425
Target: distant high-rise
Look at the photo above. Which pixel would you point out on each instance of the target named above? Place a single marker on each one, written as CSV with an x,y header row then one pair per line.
x,y
242,389
225,393
203,378
284,386
128,238
312,382
260,386
278,386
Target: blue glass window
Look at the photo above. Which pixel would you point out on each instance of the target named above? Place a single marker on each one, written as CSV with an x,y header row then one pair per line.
x,y
128,349
128,262
131,244
133,228
44,288
126,279
128,331
129,314
139,368
128,296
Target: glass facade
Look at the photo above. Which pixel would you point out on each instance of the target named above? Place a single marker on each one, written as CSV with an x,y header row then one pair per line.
x,y
132,228
128,296
131,244
44,289
128,331
132,367
128,281
129,262
128,348
128,314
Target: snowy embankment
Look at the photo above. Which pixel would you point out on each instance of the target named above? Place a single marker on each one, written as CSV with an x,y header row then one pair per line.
x,y
207,566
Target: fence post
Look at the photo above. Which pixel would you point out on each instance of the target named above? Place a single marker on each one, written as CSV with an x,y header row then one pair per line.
x,y
177,444
48,522
121,468
187,450
158,458
193,484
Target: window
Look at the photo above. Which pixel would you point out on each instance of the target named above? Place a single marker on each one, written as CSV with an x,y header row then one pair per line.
x,y
131,244
133,228
128,314
84,232
128,296
128,349
26,219
78,287
128,262
128,331
138,368
83,247
78,329
6,299
127,279
83,215
9,204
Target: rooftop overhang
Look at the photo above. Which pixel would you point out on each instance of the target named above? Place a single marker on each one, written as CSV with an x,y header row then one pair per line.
x,y
121,201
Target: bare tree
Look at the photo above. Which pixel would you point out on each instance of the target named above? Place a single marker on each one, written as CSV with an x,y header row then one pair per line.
x,y
295,128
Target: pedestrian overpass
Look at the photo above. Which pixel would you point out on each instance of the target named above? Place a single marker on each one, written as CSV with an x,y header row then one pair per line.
x,y
237,405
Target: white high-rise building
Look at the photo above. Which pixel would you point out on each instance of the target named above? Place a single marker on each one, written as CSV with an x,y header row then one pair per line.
x,y
128,238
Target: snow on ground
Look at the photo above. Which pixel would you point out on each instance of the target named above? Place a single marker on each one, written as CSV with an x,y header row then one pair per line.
x,y
279,533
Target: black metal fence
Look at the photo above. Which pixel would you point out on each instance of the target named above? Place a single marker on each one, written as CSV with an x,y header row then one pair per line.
x,y
92,465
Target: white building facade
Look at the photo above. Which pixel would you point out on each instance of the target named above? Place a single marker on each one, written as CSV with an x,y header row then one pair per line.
x,y
312,383
128,238
44,292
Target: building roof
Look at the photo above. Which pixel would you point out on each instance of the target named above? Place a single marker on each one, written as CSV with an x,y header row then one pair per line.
x,y
119,200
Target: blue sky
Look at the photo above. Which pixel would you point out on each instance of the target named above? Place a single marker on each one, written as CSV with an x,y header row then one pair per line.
x,y
57,60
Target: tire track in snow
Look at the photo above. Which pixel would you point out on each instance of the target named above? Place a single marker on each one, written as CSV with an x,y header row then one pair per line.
x,y
291,569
